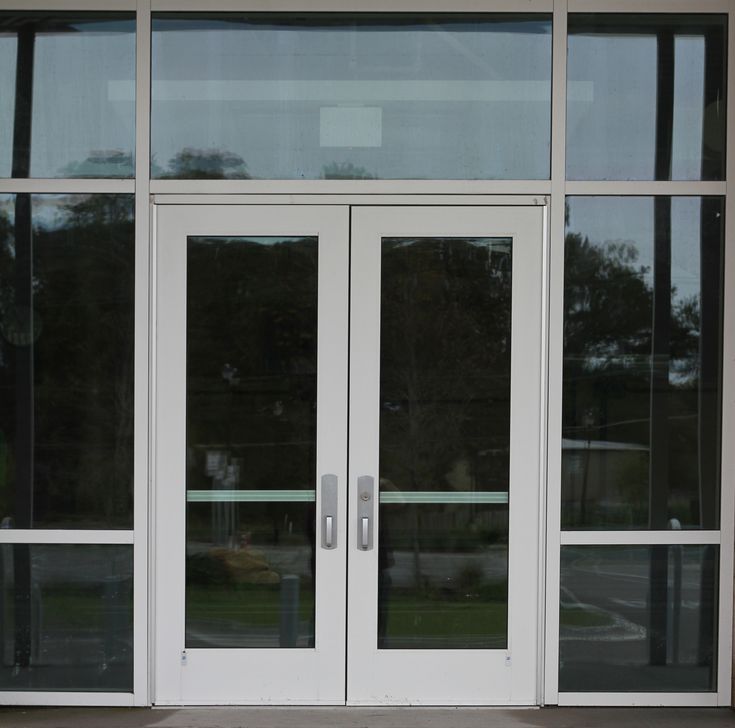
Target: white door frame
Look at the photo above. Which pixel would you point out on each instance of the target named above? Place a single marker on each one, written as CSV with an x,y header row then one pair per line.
x,y
445,676
283,675
173,206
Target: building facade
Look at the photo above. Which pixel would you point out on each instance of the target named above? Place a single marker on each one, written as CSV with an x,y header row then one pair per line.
x,y
366,353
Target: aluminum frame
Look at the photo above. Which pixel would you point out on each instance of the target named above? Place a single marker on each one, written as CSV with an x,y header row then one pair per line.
x,y
399,192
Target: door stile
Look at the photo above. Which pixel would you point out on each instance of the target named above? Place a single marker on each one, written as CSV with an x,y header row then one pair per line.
x,y
248,675
445,676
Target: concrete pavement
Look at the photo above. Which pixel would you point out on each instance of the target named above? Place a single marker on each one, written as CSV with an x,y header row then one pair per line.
x,y
367,718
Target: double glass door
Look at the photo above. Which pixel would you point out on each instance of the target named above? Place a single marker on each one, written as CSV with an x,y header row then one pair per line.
x,y
347,454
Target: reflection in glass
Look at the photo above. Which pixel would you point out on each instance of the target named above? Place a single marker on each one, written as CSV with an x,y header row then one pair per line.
x,y
67,94
251,441
66,617
646,97
638,618
66,361
351,96
642,353
444,442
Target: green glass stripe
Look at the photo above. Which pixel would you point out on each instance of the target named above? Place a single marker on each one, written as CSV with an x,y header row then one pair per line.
x,y
429,496
250,496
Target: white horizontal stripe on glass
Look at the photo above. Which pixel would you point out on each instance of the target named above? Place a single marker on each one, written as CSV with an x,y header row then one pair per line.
x,y
70,536
429,496
639,538
250,496
337,91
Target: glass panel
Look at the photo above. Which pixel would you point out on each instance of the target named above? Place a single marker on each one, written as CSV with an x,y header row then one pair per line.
x,y
646,97
360,96
67,95
642,354
251,441
67,617
638,618
67,283
444,442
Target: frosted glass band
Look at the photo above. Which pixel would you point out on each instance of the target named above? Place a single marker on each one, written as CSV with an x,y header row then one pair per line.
x,y
250,496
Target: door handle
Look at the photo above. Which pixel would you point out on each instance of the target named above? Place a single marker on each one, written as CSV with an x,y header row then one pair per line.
x,y
365,508
329,511
364,533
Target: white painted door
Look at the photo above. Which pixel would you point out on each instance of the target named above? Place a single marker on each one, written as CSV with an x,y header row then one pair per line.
x,y
269,587
445,382
251,411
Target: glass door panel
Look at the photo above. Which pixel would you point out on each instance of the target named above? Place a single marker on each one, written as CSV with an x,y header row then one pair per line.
x,y
254,300
251,402
445,338
443,589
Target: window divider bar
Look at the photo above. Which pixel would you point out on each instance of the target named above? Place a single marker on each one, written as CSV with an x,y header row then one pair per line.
x,y
382,6
549,638
50,697
640,538
67,186
143,446
70,5
414,200
640,700
65,536
350,187
649,6
727,432
645,189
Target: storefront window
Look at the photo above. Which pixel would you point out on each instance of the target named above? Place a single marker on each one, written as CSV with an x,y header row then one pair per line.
x,y
638,618
646,97
67,95
360,96
67,617
642,352
66,361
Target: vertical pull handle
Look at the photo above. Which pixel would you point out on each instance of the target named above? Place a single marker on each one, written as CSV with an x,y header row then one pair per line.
x,y
364,533
365,512
329,497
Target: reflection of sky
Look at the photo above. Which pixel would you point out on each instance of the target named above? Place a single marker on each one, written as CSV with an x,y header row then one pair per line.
x,y
456,100
48,210
611,134
253,240
488,115
73,114
489,243
630,219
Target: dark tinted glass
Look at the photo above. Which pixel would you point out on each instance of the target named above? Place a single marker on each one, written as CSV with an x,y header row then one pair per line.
x,y
66,361
358,96
67,95
642,353
638,618
251,441
67,617
444,442
646,97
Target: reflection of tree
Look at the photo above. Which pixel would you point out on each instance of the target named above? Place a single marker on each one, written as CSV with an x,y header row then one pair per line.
x,y
445,384
82,351
445,358
345,170
252,307
110,163
192,163
608,339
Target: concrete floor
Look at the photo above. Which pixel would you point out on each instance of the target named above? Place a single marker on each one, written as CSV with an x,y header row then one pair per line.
x,y
367,718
